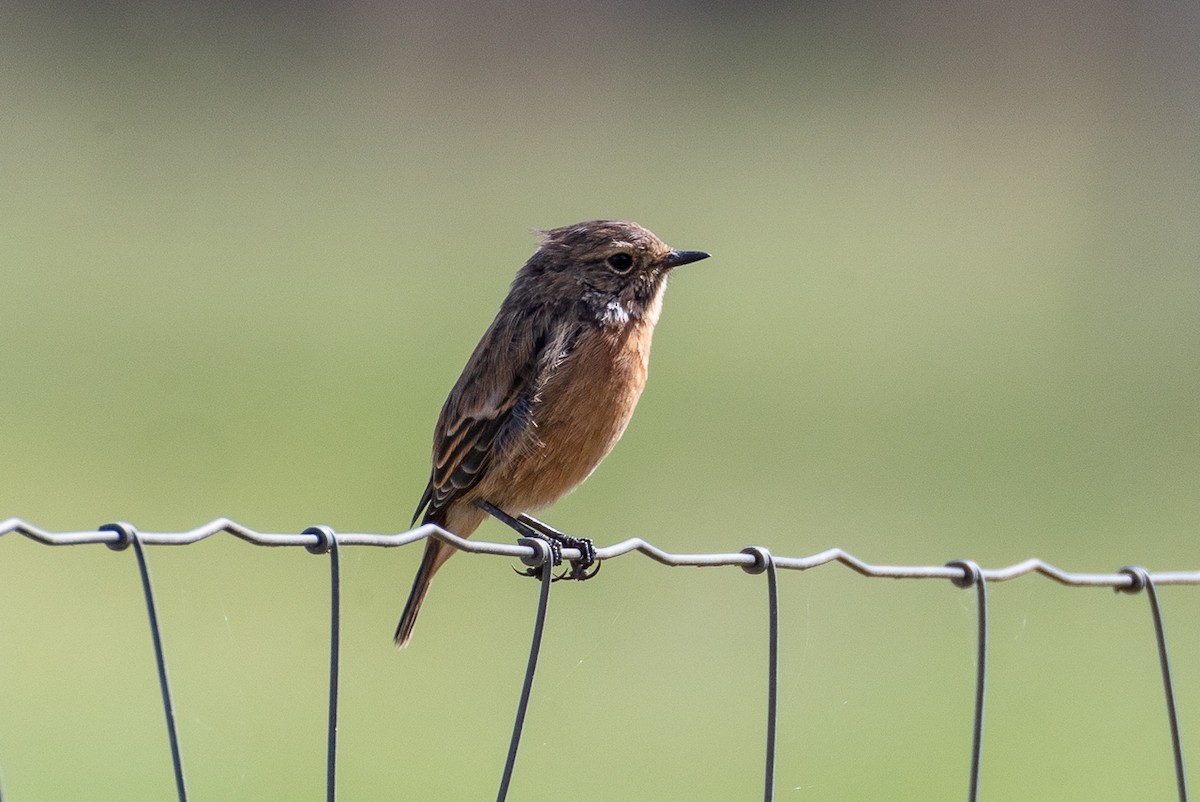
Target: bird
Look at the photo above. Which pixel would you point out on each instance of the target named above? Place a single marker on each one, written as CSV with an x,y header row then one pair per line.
x,y
550,387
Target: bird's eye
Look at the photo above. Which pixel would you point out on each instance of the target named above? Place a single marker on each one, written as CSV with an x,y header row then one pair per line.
x,y
620,262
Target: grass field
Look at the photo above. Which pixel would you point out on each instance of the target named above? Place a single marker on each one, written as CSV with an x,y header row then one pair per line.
x,y
953,311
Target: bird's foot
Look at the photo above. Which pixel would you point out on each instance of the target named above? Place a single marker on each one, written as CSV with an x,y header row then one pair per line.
x,y
587,551
528,526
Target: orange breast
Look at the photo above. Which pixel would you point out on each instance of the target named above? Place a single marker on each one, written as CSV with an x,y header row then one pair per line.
x,y
582,412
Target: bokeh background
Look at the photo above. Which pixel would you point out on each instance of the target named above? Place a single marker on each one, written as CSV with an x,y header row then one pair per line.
x,y
953,311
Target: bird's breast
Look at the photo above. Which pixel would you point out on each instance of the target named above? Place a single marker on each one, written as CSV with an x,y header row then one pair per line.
x,y
582,411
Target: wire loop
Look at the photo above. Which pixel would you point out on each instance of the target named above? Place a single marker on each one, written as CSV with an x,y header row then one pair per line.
x,y
762,559
1139,578
325,539
972,573
542,551
126,534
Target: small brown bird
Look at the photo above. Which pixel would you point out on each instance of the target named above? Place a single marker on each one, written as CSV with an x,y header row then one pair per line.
x,y
551,386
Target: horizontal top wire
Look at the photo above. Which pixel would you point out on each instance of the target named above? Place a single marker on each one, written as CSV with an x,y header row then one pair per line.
x,y
313,540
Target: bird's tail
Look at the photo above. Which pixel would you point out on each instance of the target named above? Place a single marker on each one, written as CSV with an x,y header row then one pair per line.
x,y
436,553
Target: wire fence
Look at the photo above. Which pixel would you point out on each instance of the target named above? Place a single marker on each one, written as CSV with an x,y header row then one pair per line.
x,y
538,555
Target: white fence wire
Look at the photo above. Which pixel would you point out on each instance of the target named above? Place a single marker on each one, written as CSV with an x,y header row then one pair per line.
x,y
538,555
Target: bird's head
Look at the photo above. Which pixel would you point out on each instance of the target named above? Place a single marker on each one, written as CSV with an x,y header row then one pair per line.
x,y
615,270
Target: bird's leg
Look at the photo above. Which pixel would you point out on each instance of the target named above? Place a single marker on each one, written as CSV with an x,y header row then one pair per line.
x,y
587,551
524,530
528,526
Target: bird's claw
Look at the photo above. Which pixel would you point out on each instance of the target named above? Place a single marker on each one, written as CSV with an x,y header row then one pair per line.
x,y
587,559
579,568
579,571
526,526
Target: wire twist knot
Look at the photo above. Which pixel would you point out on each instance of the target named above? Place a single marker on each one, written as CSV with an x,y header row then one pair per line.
x,y
1139,578
972,573
542,552
126,533
325,539
762,559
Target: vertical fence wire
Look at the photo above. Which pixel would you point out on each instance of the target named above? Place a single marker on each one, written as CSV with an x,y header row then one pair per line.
x,y
543,559
327,542
129,535
772,675
1140,579
765,562
973,575
335,637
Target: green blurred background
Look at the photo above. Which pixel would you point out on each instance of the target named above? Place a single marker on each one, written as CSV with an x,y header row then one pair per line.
x,y
953,311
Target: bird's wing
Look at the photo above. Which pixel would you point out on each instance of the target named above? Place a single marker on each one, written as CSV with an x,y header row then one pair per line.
x,y
490,409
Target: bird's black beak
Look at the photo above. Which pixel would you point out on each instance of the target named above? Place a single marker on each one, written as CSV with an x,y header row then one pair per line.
x,y
677,258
